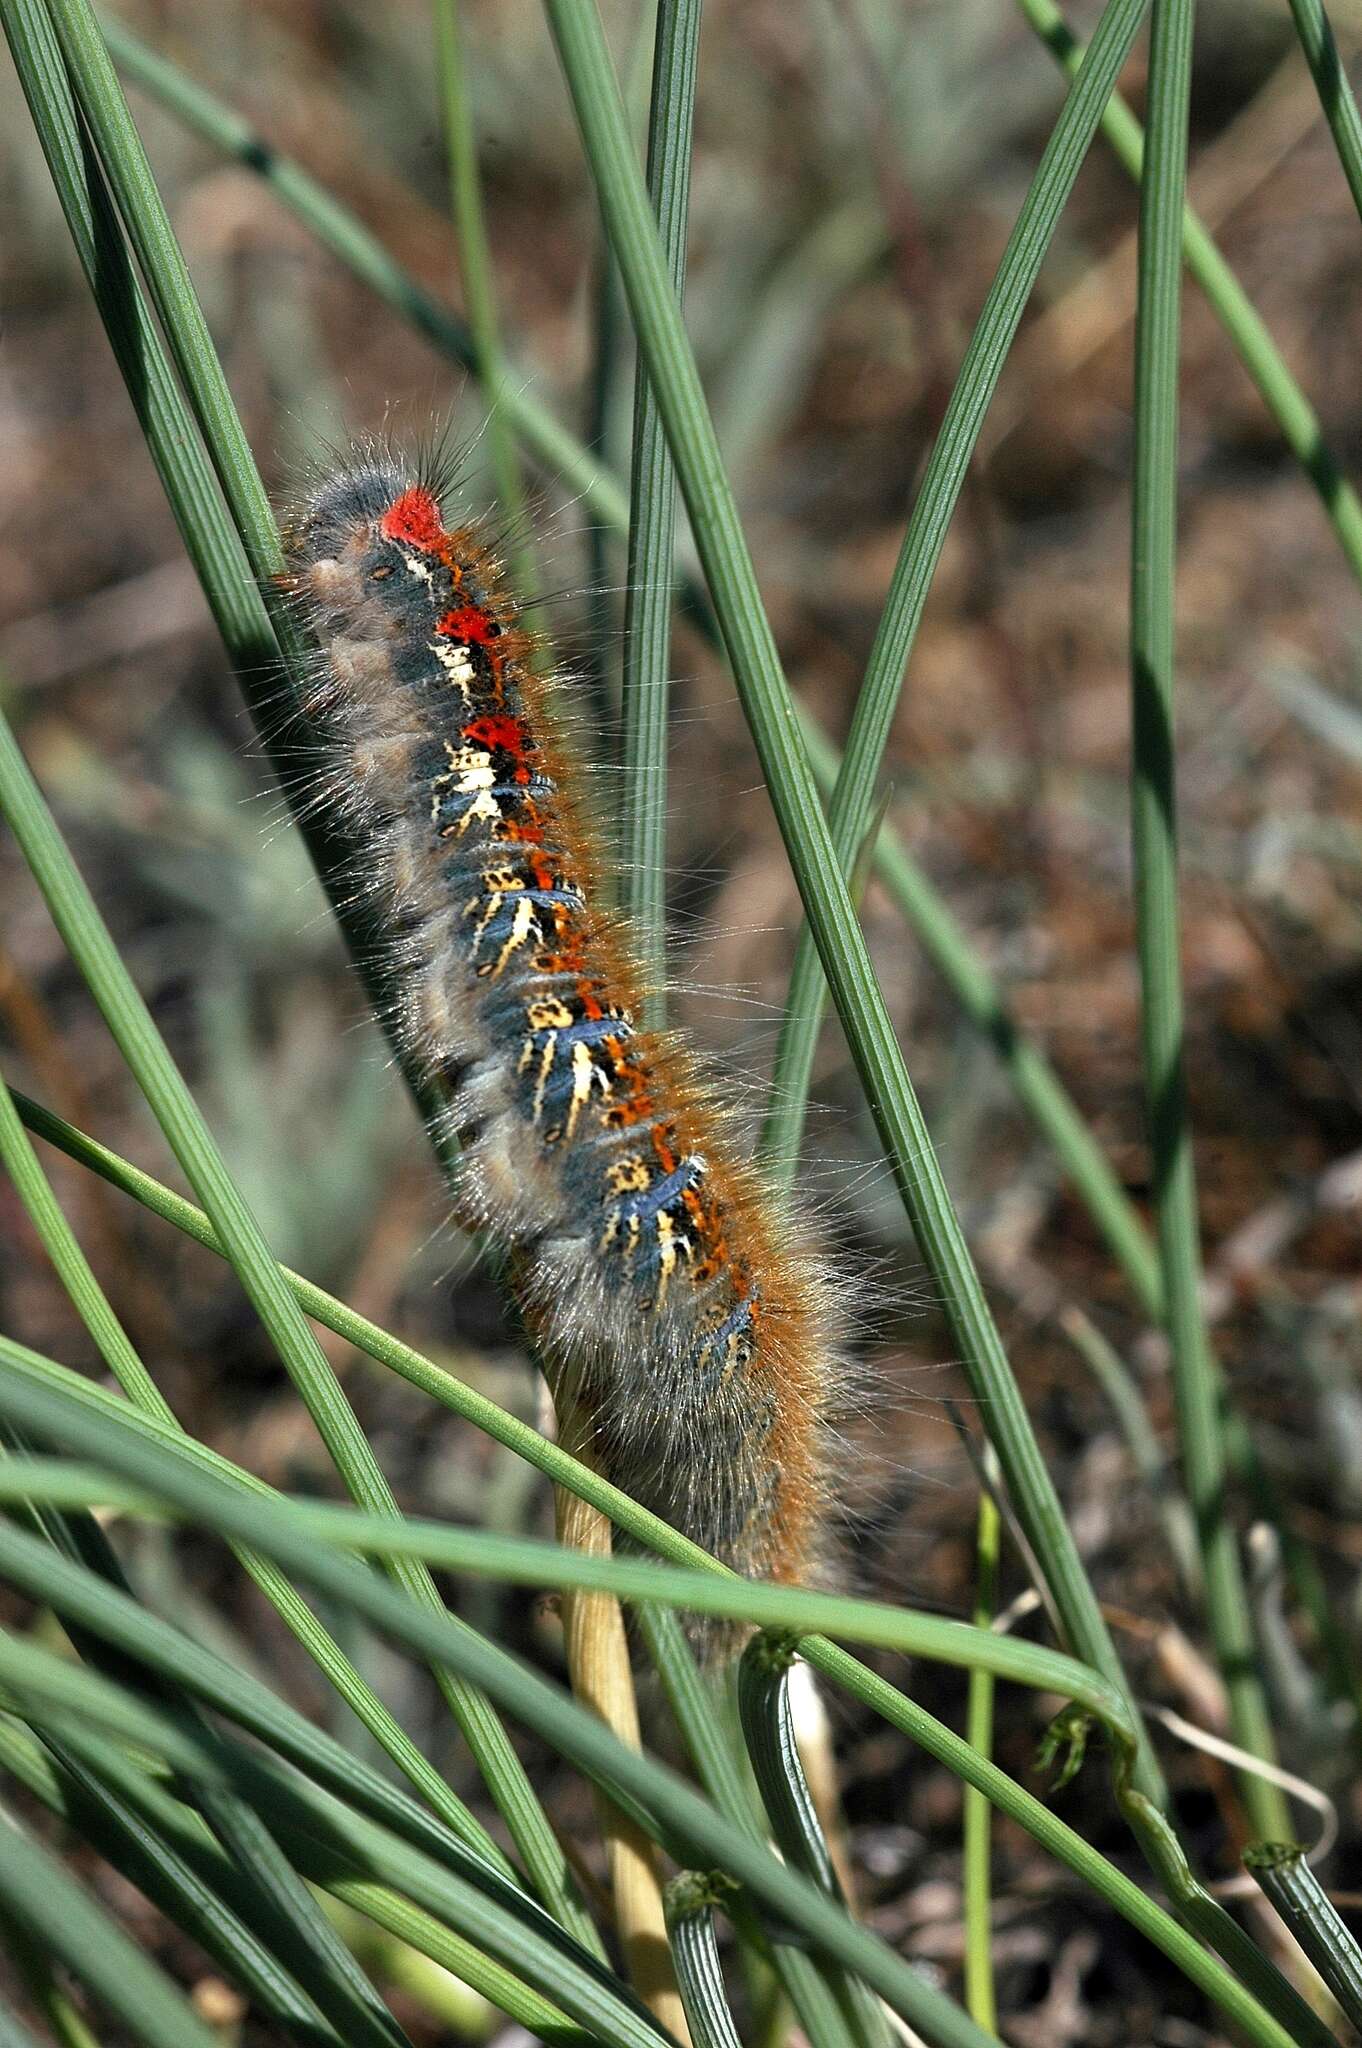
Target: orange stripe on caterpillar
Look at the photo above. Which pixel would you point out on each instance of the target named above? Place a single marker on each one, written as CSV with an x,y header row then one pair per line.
x,y
652,1264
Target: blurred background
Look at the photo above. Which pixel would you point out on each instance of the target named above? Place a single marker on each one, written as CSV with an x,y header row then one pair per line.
x,y
858,168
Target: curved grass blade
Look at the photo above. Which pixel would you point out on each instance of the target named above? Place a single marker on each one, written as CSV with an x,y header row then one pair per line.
x,y
330,1846
663,1804
91,1604
185,1880
768,1730
41,1897
300,1935
137,1383
673,1810
799,1975
691,1899
157,1810
526,1561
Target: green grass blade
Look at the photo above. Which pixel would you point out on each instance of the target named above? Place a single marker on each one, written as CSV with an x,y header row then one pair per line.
x,y
341,1851
768,1731
133,1377
690,1928
649,569
560,453
41,1897
71,1265
1038,1088
300,1934
1335,93
1299,1899
704,1732
156,1810
529,1562
1248,336
794,797
655,1797
977,1887
853,799
565,1471
126,1444
475,265
124,163
69,1690
172,439
309,1830
187,1887
834,1663
87,939
1154,825
330,1845
1282,2014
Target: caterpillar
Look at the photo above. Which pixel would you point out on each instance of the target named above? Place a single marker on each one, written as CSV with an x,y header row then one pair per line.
x,y
655,1272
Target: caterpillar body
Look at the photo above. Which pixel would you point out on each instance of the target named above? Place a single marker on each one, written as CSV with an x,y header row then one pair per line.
x,y
653,1267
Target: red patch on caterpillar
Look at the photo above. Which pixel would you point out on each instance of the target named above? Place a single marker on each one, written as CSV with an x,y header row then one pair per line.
x,y
468,622
414,518
499,729
653,1267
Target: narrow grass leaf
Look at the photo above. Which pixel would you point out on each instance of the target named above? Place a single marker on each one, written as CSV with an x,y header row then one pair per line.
x,y
649,571
842,1669
337,229
46,1902
1154,831
773,1751
1335,93
188,1892
655,1797
1247,333
1302,1904
690,1926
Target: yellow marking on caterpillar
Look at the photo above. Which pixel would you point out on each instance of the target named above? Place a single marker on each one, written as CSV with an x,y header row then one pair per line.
x,y
545,1069
585,1075
547,1013
667,1247
629,1176
455,660
522,924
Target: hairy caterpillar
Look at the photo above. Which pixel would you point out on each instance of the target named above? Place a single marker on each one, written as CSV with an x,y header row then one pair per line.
x,y
652,1266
